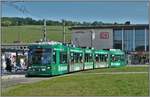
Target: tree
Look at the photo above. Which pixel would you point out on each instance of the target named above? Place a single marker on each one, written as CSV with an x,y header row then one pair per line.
x,y
6,23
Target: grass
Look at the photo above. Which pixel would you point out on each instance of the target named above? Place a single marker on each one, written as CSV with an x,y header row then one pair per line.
x,y
32,33
87,85
119,69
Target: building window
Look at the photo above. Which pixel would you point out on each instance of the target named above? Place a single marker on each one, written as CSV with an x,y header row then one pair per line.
x,y
147,40
128,40
117,39
139,39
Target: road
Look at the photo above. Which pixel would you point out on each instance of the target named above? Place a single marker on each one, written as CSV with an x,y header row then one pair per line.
x,y
13,81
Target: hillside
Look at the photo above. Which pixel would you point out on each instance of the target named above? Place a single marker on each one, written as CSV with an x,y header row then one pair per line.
x,y
32,33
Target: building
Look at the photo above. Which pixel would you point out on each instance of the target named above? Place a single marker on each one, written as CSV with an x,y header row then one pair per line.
x,y
131,38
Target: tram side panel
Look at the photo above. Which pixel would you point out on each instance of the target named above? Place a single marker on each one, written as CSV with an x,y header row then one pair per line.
x,y
61,66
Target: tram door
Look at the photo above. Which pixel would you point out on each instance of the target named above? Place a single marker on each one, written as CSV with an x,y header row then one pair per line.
x,y
101,60
88,61
76,61
63,64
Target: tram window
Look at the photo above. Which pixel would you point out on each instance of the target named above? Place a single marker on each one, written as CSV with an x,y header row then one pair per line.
x,y
117,58
63,57
103,57
40,56
81,58
88,57
54,56
72,57
113,58
76,57
97,58
46,57
30,57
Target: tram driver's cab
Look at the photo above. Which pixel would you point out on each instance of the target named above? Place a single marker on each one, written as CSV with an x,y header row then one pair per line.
x,y
117,58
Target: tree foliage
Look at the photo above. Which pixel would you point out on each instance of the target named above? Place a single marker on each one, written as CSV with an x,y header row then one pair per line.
x,y
17,21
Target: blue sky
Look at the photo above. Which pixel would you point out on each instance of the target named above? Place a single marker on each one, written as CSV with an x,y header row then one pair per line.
x,y
110,12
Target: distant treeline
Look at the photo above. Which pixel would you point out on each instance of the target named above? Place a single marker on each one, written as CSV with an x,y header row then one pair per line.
x,y
17,21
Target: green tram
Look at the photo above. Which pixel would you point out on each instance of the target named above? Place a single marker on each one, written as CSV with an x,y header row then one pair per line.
x,y
56,59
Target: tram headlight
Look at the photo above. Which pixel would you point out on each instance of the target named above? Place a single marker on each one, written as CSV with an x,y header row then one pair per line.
x,y
29,67
48,67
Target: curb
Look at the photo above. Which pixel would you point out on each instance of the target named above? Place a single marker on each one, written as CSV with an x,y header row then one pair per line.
x,y
12,76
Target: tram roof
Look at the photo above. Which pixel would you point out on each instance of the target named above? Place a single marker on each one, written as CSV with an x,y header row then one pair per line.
x,y
87,50
101,52
116,52
76,49
47,46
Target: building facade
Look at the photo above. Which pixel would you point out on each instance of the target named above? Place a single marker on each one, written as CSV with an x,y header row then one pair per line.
x,y
127,37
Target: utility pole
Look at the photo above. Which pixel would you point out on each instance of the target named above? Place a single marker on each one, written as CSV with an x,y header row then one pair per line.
x,y
44,32
63,22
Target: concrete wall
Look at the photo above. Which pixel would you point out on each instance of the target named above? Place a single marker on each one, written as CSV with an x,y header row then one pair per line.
x,y
82,38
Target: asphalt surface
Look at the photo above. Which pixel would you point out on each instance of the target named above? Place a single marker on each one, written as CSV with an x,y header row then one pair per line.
x,y
19,79
5,83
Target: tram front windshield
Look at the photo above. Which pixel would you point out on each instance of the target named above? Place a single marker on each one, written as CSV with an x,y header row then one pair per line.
x,y
117,57
40,56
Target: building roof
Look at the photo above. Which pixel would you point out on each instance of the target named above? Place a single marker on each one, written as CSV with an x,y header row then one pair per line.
x,y
114,26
